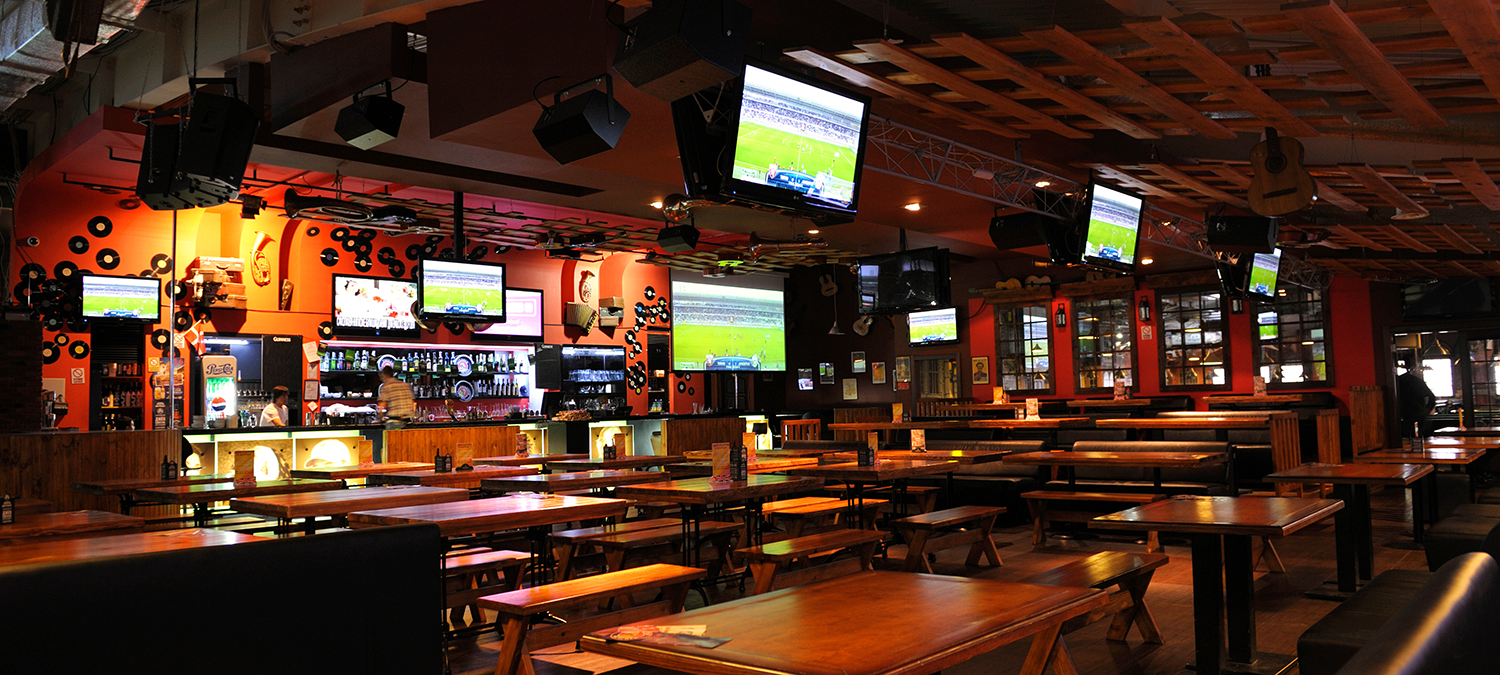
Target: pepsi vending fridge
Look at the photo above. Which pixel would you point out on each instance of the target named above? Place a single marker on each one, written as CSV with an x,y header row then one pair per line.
x,y
220,392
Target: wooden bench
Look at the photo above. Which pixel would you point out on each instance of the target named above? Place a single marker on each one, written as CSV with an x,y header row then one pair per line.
x,y
923,496
568,544
973,525
654,510
516,609
769,508
471,574
1131,572
618,545
1038,499
765,561
796,518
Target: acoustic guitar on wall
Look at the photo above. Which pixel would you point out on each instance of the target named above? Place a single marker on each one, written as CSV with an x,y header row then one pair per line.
x,y
1280,184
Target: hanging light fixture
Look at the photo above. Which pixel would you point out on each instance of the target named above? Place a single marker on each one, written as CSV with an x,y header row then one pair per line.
x,y
1436,349
1061,317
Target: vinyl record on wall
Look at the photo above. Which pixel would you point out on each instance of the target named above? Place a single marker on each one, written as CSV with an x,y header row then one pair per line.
x,y
313,231
65,270
396,268
386,255
365,235
78,350
434,238
61,339
162,263
78,245
339,234
447,254
692,391
182,320
479,252
413,252
78,326
350,244
688,377
21,293
175,289
146,274
681,387
201,314
107,258
502,250
330,257
363,264
50,353
159,338
33,273
650,292
454,327
53,322
325,330
100,226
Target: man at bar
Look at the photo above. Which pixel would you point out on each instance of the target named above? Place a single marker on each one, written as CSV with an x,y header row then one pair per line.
x,y
275,413
396,399
1414,399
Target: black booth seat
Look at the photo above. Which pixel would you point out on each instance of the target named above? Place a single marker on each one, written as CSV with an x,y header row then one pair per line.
x,y
990,483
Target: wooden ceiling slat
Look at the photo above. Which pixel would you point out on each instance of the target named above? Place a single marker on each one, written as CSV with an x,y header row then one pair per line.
x,y
1339,199
1372,180
1474,178
1074,49
1438,68
1460,108
1395,232
1195,185
1231,83
1230,174
1431,91
863,78
1455,239
902,58
1373,12
1201,27
1131,181
1362,240
1475,27
1331,28
1339,266
1063,69
1423,269
977,51
1394,44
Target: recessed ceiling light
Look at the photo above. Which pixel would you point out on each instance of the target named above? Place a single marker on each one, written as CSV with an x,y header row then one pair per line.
x,y
914,206
656,204
812,231
1147,261
1043,183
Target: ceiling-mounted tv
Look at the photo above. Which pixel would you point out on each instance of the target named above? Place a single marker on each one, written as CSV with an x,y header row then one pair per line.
x,y
719,326
523,318
1455,297
374,307
121,298
1114,224
470,292
899,283
933,327
1264,268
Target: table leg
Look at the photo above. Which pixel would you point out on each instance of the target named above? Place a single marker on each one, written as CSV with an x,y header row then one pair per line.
x,y
1156,478
1208,603
127,501
1346,537
1365,539
1239,609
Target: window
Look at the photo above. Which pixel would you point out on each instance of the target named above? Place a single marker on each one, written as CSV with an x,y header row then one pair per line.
x,y
1292,338
1104,342
1192,339
1024,345
937,376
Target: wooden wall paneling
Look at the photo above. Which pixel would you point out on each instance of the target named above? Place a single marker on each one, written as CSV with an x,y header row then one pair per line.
x,y
421,444
699,433
1367,418
45,466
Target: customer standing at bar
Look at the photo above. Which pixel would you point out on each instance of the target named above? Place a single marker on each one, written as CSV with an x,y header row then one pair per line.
x,y
1414,399
395,396
275,413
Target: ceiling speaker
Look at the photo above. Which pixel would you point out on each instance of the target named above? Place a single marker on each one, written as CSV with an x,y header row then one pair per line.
x,y
370,121
582,126
679,47
1241,234
679,239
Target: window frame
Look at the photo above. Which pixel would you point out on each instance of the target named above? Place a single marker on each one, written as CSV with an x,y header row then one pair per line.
x,y
1255,307
1128,299
998,372
1225,345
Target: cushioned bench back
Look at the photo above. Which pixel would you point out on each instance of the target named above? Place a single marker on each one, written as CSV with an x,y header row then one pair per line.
x,y
851,446
993,468
1067,437
353,602
1205,474
1447,627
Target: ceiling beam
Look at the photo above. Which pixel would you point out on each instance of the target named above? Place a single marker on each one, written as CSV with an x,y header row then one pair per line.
x,y
993,59
1131,181
1358,238
1455,239
864,78
1335,32
1411,242
1081,53
1228,81
1476,180
1195,185
1338,199
1476,28
901,58
1374,182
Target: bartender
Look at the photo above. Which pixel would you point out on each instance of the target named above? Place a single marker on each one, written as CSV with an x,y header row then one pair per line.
x,y
275,414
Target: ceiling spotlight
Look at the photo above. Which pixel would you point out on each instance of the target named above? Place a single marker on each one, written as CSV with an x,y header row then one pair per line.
x,y
249,206
656,204
371,120
812,231
1042,183
914,206
582,121
1147,261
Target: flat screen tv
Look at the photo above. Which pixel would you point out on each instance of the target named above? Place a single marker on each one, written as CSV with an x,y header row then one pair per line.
x,y
470,292
523,318
121,298
1114,223
1234,275
374,307
900,283
722,327
1264,268
933,327
1457,297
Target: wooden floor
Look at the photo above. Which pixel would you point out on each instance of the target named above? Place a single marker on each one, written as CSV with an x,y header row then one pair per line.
x,y
1282,611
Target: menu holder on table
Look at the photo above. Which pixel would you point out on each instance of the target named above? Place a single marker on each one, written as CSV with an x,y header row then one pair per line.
x,y
748,440
919,440
463,454
1033,409
1000,396
244,467
366,451
866,455
1121,393
721,463
897,412
1260,385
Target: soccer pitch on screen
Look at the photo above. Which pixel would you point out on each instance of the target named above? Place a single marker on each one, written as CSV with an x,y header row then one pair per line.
x,y
101,306
941,331
1103,237
758,146
438,299
692,343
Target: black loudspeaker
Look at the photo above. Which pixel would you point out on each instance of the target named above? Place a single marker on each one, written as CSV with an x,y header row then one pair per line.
x,y
154,183
1241,234
1018,230
681,46
75,20
370,121
679,239
214,149
584,125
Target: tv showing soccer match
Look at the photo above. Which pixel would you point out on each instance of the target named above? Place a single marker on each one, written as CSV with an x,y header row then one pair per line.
x,y
374,307
523,318
798,142
470,292
127,298
1113,225
721,327
935,327
1263,271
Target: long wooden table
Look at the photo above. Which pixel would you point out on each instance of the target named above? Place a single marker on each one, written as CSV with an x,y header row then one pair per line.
x,y
699,496
1043,423
1286,436
464,479
1223,569
626,462
896,426
527,460
348,471
871,623
573,480
125,488
310,505
55,549
963,457
1111,403
203,494
766,464
1454,457
69,524
1156,461
483,516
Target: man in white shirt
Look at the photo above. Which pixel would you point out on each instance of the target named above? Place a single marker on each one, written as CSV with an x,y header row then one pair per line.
x,y
275,413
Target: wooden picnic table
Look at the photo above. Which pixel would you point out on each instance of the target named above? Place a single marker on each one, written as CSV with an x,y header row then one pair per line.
x,y
573,480
465,479
1355,551
880,472
1452,455
1043,423
764,465
202,494
1110,403
626,462
125,488
1154,460
69,524
799,452
870,623
1223,569
1285,432
310,505
895,426
27,506
347,471
698,495
482,516
526,460
55,549
963,457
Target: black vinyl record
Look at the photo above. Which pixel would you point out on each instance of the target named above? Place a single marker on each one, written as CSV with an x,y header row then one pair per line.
x,y
650,292
502,250
78,350
429,250
325,330
53,322
201,314
175,289
330,257
397,268
350,244
101,226
313,231
159,338
386,255
434,238
50,353
479,252
413,252
688,377
447,254
33,273
107,258
78,245
692,391
65,270
339,234
366,235
61,339
161,263
21,293
182,320
681,387
362,264
78,326
146,273
363,248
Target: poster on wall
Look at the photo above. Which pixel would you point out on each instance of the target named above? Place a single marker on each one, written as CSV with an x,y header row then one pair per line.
x,y
805,379
857,359
980,366
851,389
903,369
825,373
877,372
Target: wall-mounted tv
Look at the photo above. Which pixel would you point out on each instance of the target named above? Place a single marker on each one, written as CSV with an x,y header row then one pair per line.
x,y
121,298
899,283
775,138
1114,223
470,292
1264,269
374,307
1456,297
728,327
523,318
1234,275
933,327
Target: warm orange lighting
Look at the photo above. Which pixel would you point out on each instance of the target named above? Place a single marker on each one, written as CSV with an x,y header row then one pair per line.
x,y
812,231
1043,183
914,206
1147,261
656,204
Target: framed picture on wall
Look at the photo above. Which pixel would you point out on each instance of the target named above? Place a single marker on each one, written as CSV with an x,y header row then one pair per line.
x,y
858,361
877,372
903,369
805,379
851,389
980,368
825,373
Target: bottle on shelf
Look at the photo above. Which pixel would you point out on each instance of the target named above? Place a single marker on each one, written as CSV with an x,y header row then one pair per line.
x,y
7,510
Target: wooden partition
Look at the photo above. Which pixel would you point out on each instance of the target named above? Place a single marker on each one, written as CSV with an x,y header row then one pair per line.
x,y
1286,450
1367,423
1330,439
45,465
421,444
685,434
873,414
